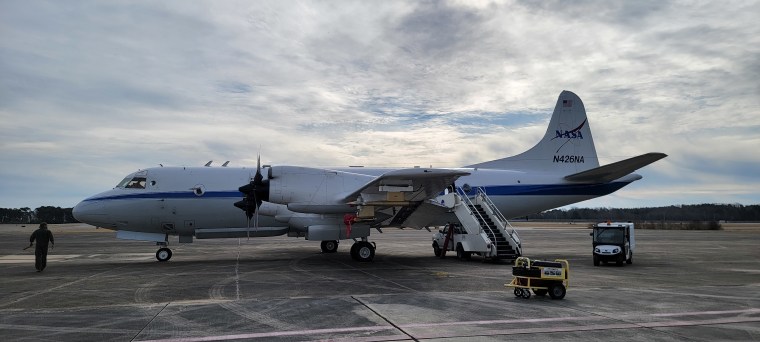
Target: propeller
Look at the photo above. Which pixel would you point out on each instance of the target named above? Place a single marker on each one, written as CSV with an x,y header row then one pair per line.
x,y
254,193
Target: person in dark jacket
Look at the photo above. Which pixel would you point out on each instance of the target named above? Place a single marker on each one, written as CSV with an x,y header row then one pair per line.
x,y
42,236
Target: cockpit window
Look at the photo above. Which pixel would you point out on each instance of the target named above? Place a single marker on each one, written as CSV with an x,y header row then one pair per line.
x,y
133,181
136,183
124,182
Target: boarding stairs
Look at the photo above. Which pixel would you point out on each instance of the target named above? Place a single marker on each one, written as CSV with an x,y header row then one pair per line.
x,y
403,213
479,217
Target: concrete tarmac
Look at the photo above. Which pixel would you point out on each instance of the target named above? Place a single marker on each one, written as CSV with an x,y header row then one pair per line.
x,y
682,286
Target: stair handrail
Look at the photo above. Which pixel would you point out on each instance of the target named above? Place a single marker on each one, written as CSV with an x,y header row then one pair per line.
x,y
469,204
499,216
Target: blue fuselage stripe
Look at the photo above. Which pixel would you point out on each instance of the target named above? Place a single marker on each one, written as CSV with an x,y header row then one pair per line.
x,y
138,194
492,190
553,189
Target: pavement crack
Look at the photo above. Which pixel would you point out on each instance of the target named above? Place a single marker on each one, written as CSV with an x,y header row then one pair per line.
x,y
237,274
399,328
149,322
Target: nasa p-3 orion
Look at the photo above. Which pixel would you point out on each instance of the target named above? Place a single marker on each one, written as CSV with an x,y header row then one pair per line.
x,y
334,204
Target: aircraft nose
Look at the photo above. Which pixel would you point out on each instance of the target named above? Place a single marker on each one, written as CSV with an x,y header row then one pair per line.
x,y
90,212
78,211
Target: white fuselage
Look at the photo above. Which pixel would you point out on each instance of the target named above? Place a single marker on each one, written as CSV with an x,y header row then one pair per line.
x,y
179,200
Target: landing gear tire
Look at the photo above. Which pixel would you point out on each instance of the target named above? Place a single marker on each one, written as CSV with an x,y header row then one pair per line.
x,y
363,251
329,246
164,254
557,291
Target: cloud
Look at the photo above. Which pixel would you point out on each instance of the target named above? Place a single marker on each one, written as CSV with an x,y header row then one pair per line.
x,y
92,91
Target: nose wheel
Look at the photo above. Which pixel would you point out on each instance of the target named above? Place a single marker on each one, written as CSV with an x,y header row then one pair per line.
x,y
164,254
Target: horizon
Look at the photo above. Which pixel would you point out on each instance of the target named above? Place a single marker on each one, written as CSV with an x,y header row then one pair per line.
x,y
94,91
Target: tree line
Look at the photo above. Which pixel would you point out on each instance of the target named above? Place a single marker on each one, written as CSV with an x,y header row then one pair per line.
x,y
53,215
696,212
682,213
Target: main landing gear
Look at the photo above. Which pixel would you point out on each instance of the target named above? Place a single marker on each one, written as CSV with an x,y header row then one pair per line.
x,y
361,251
163,253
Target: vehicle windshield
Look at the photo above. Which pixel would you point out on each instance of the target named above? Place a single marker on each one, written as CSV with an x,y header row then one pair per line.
x,y
133,181
609,235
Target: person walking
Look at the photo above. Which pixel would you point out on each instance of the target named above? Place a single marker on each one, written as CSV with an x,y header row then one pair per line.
x,y
42,235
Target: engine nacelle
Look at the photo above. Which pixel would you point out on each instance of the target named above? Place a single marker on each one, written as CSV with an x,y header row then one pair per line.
x,y
312,190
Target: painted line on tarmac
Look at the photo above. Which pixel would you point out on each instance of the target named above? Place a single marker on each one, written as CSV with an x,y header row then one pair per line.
x,y
49,329
595,327
23,259
52,289
271,334
681,293
699,313
515,331
366,328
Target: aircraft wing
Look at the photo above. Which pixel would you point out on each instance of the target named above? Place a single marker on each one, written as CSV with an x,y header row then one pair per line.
x,y
418,183
610,172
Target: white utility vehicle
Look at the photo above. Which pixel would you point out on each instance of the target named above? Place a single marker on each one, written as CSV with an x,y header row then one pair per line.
x,y
613,241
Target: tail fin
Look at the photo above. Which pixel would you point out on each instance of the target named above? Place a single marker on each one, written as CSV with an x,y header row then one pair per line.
x,y
567,147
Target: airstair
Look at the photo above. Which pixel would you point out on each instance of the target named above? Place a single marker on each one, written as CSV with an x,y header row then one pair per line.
x,y
484,230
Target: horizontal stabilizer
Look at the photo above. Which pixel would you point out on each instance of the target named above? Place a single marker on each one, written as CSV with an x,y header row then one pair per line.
x,y
610,172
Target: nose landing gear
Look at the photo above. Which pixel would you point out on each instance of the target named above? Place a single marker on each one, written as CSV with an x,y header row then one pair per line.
x,y
163,253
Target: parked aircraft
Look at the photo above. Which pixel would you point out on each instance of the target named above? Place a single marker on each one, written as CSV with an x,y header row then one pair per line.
x,y
334,204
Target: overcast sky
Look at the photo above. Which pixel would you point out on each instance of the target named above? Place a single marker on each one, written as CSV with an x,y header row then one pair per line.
x,y
92,91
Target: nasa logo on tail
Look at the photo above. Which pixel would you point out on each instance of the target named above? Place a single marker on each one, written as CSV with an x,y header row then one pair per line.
x,y
570,135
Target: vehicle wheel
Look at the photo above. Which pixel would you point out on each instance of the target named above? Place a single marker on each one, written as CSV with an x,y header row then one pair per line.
x,y
163,254
526,293
461,254
365,252
329,246
436,250
540,292
518,292
630,260
596,260
557,291
353,251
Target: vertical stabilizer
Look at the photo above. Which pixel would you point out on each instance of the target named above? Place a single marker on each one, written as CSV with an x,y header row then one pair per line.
x,y
567,147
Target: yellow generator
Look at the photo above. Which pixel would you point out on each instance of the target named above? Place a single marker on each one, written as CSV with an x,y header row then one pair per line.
x,y
542,277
